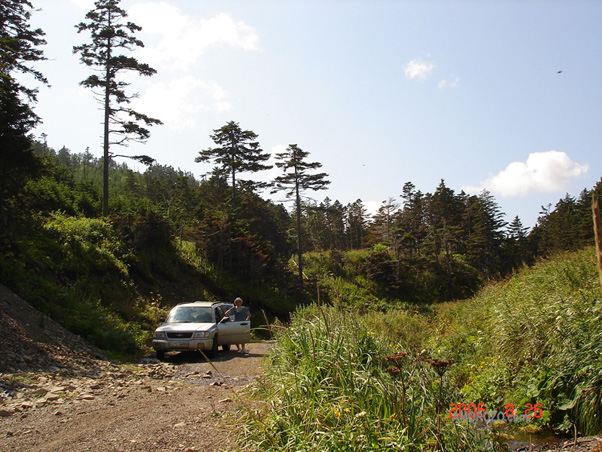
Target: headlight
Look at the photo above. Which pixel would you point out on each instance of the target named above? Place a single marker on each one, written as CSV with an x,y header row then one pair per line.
x,y
200,334
159,335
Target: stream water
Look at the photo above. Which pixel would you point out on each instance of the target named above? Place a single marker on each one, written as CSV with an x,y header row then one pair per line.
x,y
535,442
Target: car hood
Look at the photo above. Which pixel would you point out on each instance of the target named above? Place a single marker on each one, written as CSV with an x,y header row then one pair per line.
x,y
186,327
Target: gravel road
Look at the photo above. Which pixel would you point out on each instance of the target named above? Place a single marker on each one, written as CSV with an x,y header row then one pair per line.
x,y
59,394
182,404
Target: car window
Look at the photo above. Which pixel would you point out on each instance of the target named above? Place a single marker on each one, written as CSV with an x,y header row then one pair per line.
x,y
220,311
227,307
190,314
240,315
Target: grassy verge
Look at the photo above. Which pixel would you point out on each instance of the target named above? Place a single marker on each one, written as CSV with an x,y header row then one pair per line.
x,y
536,338
333,384
340,380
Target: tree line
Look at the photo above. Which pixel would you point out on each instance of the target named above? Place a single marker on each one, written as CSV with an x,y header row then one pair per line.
x,y
439,245
443,245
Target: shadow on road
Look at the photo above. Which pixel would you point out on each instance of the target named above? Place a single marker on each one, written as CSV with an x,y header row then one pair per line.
x,y
255,349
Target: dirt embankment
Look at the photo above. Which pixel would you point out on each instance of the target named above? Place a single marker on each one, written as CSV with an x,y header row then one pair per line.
x,y
57,393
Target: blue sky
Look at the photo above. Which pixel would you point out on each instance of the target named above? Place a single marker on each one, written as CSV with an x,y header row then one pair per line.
x,y
380,92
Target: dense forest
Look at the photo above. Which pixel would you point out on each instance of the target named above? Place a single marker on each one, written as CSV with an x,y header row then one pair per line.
x,y
431,246
104,248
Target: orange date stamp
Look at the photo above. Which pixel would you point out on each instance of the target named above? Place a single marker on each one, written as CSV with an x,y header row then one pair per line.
x,y
473,412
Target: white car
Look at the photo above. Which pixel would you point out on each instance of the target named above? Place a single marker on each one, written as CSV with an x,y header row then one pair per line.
x,y
200,325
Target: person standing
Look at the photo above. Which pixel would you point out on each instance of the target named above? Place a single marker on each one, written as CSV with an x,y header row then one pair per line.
x,y
241,314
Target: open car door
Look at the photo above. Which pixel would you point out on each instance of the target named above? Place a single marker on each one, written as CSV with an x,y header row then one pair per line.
x,y
231,332
234,332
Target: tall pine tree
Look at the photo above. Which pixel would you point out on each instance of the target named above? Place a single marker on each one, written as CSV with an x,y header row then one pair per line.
x,y
296,179
18,49
111,34
237,152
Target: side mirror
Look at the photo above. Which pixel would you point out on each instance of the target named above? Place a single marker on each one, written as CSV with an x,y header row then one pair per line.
x,y
224,319
162,319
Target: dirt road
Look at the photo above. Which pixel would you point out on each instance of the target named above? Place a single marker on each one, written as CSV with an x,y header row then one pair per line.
x,y
181,404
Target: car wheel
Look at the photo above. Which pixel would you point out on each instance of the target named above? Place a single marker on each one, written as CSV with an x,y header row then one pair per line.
x,y
226,347
160,354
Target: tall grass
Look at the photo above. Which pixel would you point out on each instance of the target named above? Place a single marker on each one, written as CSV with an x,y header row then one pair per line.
x,y
339,380
538,339
330,387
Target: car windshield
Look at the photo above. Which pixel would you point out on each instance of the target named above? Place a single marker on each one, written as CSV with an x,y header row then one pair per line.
x,y
190,314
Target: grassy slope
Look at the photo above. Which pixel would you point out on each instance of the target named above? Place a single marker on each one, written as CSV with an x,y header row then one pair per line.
x,y
535,338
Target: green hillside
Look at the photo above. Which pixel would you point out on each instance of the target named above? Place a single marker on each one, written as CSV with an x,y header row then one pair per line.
x,y
388,380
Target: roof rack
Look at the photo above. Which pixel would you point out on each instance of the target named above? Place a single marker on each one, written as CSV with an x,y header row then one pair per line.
x,y
202,301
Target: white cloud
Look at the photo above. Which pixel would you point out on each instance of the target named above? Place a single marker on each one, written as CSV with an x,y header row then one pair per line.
x,y
174,42
418,69
182,39
178,102
543,172
447,84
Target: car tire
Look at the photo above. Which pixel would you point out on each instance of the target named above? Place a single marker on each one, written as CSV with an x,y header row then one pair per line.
x,y
226,347
160,355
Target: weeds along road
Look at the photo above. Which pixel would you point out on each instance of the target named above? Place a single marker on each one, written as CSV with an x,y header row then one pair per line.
x,y
181,404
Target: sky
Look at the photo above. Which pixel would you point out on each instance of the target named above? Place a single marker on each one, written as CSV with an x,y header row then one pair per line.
x,y
504,96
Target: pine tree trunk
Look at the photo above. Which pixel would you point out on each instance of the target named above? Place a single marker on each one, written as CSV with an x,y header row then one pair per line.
x,y
598,232
107,108
299,243
232,157
105,160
